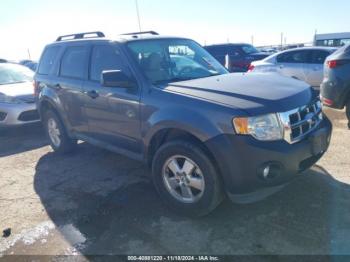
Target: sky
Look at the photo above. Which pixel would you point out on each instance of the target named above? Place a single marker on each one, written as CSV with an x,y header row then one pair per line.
x,y
26,26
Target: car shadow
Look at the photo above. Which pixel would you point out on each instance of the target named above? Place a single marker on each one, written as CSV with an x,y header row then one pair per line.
x,y
20,139
110,201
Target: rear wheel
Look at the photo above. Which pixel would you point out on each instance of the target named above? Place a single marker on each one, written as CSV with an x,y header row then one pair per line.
x,y
186,178
56,132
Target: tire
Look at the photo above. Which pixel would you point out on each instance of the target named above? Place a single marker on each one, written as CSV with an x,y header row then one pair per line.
x,y
59,140
181,196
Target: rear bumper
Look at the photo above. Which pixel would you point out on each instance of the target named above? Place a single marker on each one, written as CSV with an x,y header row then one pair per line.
x,y
335,90
18,114
241,159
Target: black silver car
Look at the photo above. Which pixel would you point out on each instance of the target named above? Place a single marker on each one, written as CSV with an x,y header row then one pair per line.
x,y
335,88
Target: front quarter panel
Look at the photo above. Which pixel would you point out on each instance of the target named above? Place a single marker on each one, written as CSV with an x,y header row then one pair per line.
x,y
203,119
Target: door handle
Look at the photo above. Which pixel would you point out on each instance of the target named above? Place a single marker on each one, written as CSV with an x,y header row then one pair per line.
x,y
93,94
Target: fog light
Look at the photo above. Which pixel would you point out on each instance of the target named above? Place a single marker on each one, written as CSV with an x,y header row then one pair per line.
x,y
266,172
270,171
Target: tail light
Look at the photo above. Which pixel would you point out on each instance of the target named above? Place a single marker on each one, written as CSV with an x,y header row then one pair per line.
x,y
327,102
332,63
251,68
337,63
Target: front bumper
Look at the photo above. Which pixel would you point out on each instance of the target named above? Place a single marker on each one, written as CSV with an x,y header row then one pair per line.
x,y
240,159
18,114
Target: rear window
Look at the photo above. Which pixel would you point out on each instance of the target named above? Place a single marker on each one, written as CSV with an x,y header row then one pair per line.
x,y
48,59
293,57
319,56
217,50
74,62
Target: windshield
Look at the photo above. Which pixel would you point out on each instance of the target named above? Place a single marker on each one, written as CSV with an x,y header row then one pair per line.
x,y
249,49
170,60
12,73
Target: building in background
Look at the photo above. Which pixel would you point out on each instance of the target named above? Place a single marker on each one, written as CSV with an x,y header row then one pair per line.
x,y
334,39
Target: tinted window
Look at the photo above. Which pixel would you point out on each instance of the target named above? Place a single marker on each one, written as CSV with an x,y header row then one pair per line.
x,y
218,50
234,51
48,59
104,57
319,56
249,49
293,57
73,62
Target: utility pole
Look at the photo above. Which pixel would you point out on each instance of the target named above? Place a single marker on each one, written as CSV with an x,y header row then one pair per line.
x,y
252,39
281,40
28,53
314,43
138,14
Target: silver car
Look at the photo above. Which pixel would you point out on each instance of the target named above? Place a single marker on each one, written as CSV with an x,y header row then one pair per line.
x,y
304,63
17,103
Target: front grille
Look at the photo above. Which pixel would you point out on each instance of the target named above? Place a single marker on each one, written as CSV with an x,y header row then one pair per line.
x,y
31,115
2,116
301,121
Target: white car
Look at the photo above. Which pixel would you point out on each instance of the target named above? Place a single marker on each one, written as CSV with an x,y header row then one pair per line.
x,y
304,63
17,103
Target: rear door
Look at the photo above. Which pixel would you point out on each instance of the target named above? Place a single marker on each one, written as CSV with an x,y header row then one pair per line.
x,y
113,113
314,67
291,64
72,74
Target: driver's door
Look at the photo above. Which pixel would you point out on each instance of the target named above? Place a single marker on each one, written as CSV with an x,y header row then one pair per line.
x,y
113,112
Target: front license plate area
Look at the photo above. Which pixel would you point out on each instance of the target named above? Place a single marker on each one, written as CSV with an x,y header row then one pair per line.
x,y
319,142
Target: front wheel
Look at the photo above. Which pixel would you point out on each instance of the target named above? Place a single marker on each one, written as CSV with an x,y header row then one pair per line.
x,y
186,178
56,132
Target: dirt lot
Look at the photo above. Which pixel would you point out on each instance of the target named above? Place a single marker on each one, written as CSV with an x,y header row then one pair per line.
x,y
97,202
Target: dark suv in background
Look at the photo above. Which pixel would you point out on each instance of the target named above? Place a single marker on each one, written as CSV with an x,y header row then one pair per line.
x,y
236,57
165,101
335,89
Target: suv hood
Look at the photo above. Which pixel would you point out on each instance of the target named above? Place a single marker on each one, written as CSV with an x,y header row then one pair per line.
x,y
254,93
18,89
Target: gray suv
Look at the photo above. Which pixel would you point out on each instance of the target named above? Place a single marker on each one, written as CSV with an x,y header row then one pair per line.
x,y
335,88
204,133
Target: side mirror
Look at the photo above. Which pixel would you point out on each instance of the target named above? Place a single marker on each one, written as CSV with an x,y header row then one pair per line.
x,y
116,78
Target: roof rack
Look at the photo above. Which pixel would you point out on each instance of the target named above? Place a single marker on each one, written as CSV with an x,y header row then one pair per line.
x,y
80,36
135,35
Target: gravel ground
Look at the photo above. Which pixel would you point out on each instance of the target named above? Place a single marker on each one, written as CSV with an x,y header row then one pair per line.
x,y
96,202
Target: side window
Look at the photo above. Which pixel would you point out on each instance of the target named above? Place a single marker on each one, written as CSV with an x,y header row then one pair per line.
x,y
234,51
218,50
48,58
293,57
105,57
319,56
74,61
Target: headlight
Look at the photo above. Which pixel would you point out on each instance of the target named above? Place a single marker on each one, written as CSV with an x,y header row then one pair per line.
x,y
8,99
265,127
